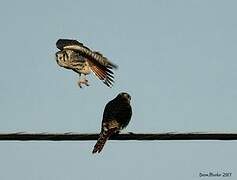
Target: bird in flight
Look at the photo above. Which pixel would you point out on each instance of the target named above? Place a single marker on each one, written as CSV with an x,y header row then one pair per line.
x,y
117,114
79,58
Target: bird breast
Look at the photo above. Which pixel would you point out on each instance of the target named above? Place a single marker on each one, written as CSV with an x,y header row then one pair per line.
x,y
74,61
85,68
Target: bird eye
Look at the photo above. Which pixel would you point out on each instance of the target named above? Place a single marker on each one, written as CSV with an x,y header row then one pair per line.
x,y
64,57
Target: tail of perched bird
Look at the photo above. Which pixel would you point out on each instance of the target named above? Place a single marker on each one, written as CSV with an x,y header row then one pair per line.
x,y
104,136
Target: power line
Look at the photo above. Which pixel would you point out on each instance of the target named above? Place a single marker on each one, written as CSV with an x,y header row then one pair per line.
x,y
130,136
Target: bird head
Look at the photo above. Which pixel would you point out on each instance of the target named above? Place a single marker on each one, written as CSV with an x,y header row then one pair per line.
x,y
124,96
62,59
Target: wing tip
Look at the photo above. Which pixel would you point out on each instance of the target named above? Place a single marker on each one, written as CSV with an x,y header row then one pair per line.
x,y
112,66
108,83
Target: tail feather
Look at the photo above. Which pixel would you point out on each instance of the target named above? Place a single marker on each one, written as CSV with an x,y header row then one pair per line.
x,y
104,136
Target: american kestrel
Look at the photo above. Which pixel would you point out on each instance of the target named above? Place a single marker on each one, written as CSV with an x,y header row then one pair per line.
x,y
117,114
77,57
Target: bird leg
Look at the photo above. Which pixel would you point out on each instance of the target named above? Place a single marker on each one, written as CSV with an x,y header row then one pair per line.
x,y
82,80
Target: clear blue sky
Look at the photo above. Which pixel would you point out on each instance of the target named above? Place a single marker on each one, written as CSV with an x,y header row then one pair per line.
x,y
177,59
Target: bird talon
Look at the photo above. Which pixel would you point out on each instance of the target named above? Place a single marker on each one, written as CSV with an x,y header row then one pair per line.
x,y
83,81
79,84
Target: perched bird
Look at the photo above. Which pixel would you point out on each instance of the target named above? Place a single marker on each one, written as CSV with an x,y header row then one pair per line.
x,y
117,114
77,57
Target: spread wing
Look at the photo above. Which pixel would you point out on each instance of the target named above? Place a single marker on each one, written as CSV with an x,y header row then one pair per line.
x,y
102,72
99,64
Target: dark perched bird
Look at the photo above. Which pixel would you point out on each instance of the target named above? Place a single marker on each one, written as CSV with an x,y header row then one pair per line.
x,y
79,58
117,114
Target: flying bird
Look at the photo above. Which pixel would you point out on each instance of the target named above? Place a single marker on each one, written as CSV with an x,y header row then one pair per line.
x,y
79,58
117,114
